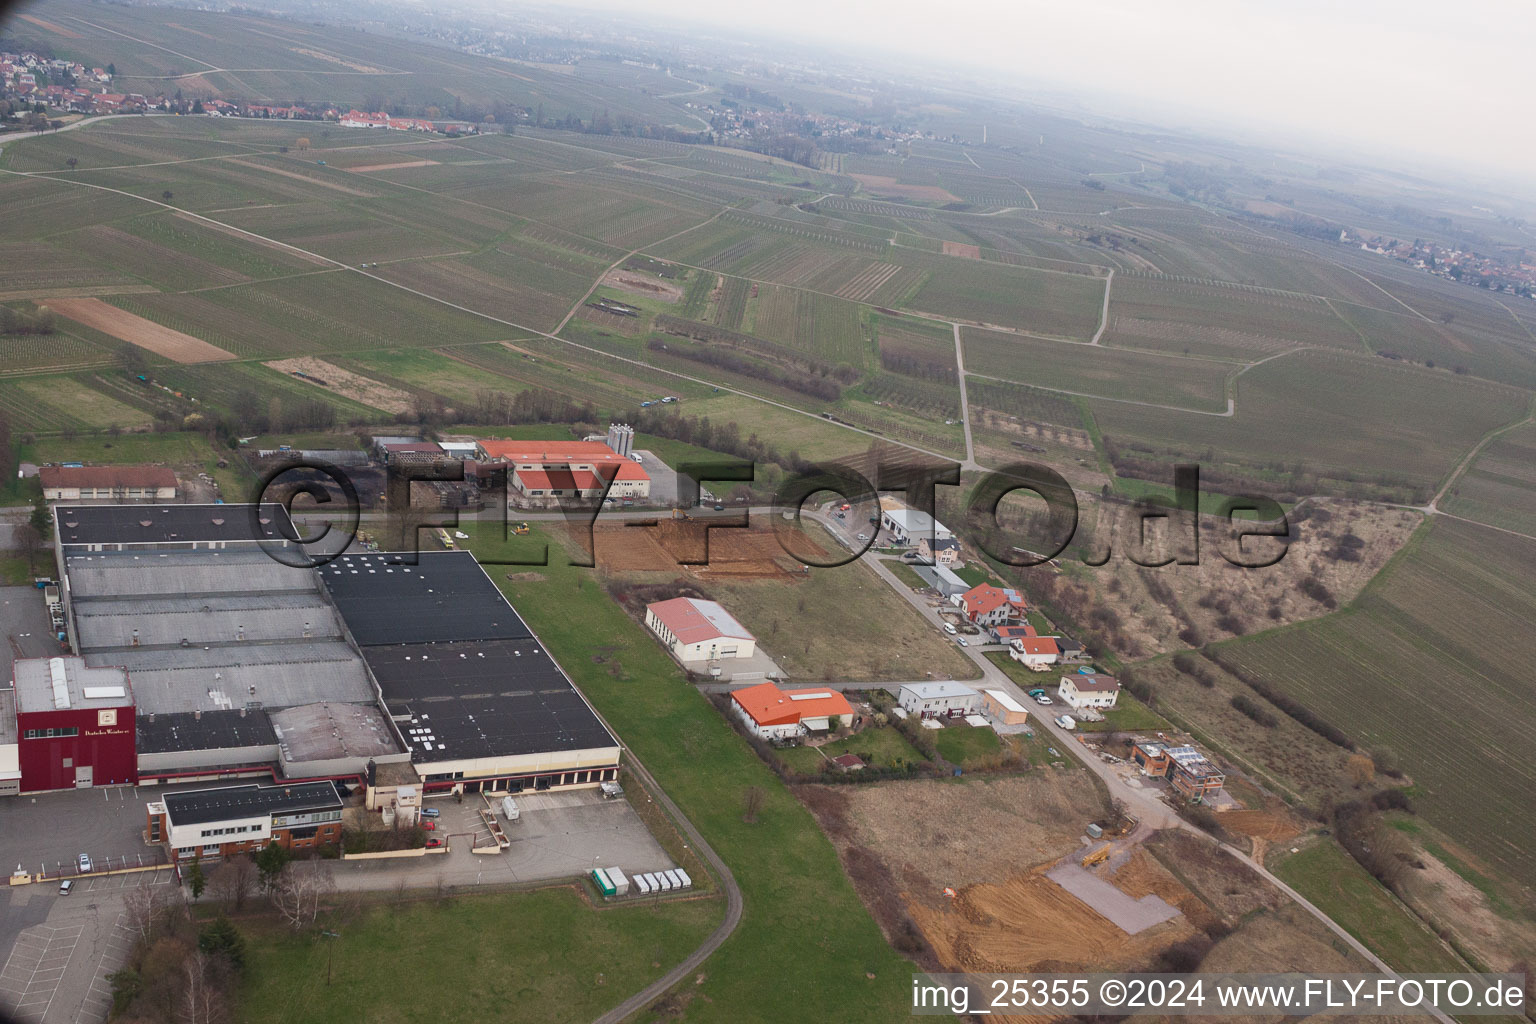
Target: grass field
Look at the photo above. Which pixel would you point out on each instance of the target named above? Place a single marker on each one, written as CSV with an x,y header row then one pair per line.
x,y
967,745
1424,667
879,746
1330,878
1499,488
788,871
526,952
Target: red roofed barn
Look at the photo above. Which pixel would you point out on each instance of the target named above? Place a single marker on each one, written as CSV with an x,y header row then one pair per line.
x,y
108,483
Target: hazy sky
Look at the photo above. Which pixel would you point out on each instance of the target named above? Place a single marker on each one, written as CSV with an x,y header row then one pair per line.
x,y
1449,80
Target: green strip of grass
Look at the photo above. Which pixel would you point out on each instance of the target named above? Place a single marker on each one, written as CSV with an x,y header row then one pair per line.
x,y
802,915
1330,878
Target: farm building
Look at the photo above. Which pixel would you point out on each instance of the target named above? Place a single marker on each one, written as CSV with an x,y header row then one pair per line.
x,y
988,605
942,579
73,725
774,714
908,527
1036,653
107,483
695,630
1003,708
938,700
543,472
222,822
1089,691
943,551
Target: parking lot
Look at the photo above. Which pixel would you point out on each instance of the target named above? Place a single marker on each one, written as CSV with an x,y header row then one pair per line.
x,y
557,835
24,620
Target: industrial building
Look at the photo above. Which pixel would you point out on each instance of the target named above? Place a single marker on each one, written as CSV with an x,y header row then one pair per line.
x,y
71,726
229,820
479,702
696,630
545,472
409,667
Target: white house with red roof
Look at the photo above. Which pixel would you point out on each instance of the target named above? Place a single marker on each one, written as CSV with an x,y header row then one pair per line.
x,y
544,472
695,630
774,714
359,119
1036,653
988,605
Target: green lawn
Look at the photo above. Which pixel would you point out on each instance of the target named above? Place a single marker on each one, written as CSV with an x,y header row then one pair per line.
x,y
179,449
544,956
880,746
966,745
802,916
1128,715
1330,878
15,572
904,572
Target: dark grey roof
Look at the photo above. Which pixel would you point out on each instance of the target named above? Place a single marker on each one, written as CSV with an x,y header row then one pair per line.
x,y
492,699
443,597
172,524
205,805
213,730
281,675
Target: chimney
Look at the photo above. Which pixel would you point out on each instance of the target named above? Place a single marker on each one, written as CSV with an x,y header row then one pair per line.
x,y
242,712
306,629
253,689
240,632
197,715
135,638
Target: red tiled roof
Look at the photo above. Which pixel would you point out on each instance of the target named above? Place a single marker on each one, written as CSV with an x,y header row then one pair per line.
x,y
106,476
985,597
595,453
769,705
1037,645
559,479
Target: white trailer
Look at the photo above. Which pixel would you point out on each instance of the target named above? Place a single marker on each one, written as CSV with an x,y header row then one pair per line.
x,y
509,808
687,882
664,882
643,883
677,883
620,883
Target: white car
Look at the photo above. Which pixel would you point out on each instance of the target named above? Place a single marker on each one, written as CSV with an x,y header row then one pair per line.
x,y
636,457
1043,699
85,863
863,536
961,641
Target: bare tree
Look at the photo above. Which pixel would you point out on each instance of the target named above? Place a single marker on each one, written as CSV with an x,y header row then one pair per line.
x,y
146,905
201,1000
233,881
1361,770
299,890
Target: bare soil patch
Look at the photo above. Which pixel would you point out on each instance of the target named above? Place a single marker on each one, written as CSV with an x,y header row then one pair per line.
x,y
962,249
307,179
882,184
125,326
729,553
346,383
392,167
366,69
49,26
643,284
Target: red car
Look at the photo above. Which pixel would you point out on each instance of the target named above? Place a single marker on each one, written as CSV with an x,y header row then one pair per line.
x,y
429,826
433,844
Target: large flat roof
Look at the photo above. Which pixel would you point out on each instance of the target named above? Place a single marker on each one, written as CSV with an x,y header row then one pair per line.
x,y
182,574
208,730
326,731
445,596
276,675
103,624
62,684
499,698
172,524
199,806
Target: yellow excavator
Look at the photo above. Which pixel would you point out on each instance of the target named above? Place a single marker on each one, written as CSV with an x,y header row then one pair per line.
x,y
521,528
1098,856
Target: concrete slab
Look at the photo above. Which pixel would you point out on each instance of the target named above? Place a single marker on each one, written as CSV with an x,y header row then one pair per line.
x,y
24,620
1129,915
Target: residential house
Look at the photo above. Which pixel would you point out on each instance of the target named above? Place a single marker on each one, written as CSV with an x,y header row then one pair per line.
x,y
945,699
943,551
1036,653
988,605
1007,634
773,714
1089,691
1189,772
